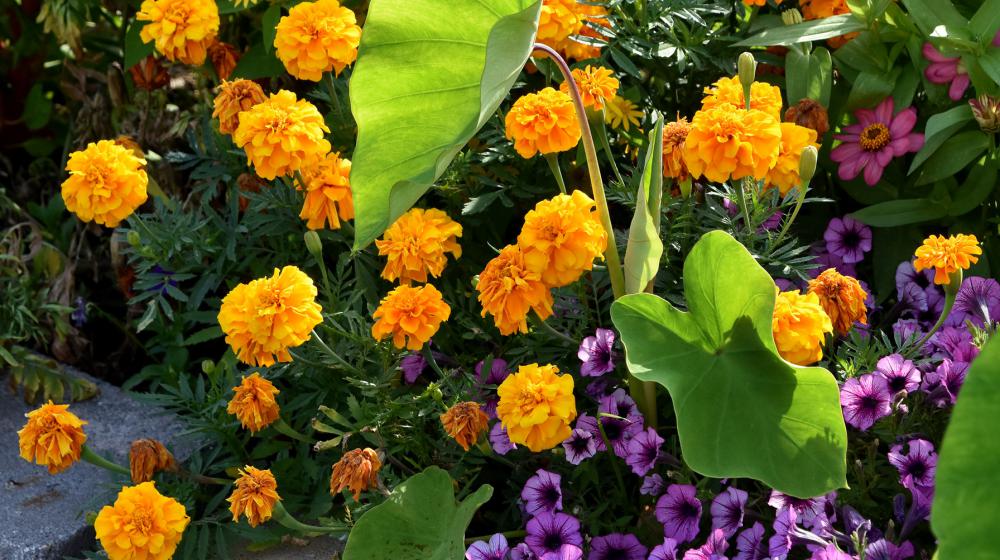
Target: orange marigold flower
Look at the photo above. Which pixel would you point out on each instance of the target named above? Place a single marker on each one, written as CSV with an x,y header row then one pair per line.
x,y
843,299
947,255
417,243
146,457
810,114
412,315
142,523
536,406
52,437
128,142
820,9
465,422
266,317
281,135
558,20
224,58
106,183
508,290
181,29
543,122
785,173
621,113
254,495
597,18
561,238
328,192
726,143
799,327
597,85
254,403
316,37
728,92
234,98
357,471
674,134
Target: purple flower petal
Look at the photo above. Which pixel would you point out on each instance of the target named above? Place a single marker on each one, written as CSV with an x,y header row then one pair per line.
x,y
727,510
679,510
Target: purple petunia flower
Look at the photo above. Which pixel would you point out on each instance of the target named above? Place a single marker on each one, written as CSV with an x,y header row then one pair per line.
x,y
617,546
498,372
713,549
899,373
944,383
579,446
848,238
907,329
831,552
825,259
597,353
873,142
665,551
679,510
652,485
781,542
500,441
727,510
885,550
751,545
916,467
600,387
548,532
954,343
810,512
619,431
522,552
644,451
865,400
565,552
978,300
542,493
496,549
412,366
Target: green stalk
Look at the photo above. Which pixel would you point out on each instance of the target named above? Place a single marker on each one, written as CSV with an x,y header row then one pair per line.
x,y
553,161
429,356
950,293
281,515
329,352
89,455
282,427
609,449
596,119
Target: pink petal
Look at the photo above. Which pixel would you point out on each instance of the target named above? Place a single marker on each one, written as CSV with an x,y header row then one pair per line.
x,y
934,55
899,146
941,73
850,169
957,89
845,152
873,173
865,117
853,128
915,141
903,123
884,111
883,157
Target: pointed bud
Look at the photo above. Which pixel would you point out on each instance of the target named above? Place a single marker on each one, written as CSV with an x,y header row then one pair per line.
x,y
986,110
313,244
791,17
747,66
807,164
134,239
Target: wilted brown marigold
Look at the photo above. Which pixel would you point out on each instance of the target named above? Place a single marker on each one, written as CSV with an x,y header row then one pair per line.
x,y
52,437
146,457
842,297
810,114
254,403
465,422
224,58
149,74
357,471
674,134
233,98
254,495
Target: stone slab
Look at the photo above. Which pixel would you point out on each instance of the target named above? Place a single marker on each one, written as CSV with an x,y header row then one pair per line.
x,y
321,548
42,516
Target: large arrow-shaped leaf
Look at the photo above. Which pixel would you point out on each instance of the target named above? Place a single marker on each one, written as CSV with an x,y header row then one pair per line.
x,y
419,520
429,74
741,410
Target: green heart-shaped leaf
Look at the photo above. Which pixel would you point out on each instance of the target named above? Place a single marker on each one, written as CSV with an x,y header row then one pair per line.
x,y
741,410
421,519
429,74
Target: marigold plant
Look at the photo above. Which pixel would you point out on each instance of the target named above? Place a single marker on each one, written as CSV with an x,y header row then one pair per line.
x,y
317,37
410,315
282,135
561,237
597,85
509,290
142,523
947,255
674,134
417,244
52,437
357,471
254,403
465,422
106,183
254,495
843,299
328,197
726,143
544,122
785,173
728,92
800,327
232,99
558,20
536,406
182,30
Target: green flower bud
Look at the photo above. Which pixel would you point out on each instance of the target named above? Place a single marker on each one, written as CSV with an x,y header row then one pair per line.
x,y
791,17
807,164
313,244
747,66
133,237
207,366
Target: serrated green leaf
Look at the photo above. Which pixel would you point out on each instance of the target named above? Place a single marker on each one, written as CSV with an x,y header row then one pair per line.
x,y
414,117
815,30
741,410
642,255
951,158
900,212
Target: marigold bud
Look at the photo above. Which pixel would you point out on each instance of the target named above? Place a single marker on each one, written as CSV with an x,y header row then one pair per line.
x,y
146,457
313,244
807,164
986,110
747,67
810,114
791,16
134,239
357,471
465,422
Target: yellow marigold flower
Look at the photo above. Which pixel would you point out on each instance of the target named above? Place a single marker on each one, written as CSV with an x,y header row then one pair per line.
x,y
728,92
142,523
785,173
417,243
543,122
224,58
947,255
254,495
357,471
800,326
266,317
52,437
146,457
317,37
597,85
621,113
508,290
726,143
182,29
234,98
281,135
412,315
536,406
465,422
254,403
328,192
561,238
674,134
106,183
558,20
245,3
128,142
842,298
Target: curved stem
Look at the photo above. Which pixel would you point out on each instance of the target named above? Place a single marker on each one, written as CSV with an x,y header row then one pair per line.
x,y
553,161
89,455
429,356
596,183
329,351
281,515
552,330
611,450
795,212
596,119
950,292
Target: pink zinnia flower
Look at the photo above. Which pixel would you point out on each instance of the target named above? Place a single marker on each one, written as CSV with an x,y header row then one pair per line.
x,y
876,139
946,70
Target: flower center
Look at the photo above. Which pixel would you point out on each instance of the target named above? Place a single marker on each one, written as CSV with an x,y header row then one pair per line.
x,y
142,519
553,541
178,13
874,137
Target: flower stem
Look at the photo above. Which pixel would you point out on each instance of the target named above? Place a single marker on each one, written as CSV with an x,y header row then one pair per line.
x,y
596,183
795,212
202,479
950,293
596,119
90,456
281,515
611,450
553,161
429,356
551,330
329,351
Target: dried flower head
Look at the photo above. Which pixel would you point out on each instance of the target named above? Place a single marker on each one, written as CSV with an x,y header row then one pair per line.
x,y
727,143
810,114
328,192
674,134
561,237
800,326
543,122
232,99
106,183
224,58
254,403
142,523
146,457
411,315
357,471
509,290
465,422
843,299
537,406
417,243
947,255
597,85
316,37
182,29
52,437
254,495
785,173
282,135
986,111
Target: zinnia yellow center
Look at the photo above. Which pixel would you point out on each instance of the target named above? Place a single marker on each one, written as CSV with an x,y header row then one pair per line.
x,y
874,137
